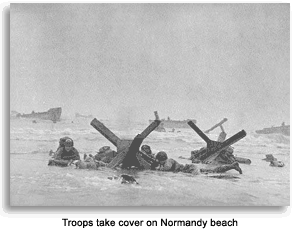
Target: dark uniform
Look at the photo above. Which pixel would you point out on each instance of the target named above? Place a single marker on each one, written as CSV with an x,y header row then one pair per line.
x,y
169,164
147,150
61,145
148,156
223,168
62,141
65,154
62,154
105,154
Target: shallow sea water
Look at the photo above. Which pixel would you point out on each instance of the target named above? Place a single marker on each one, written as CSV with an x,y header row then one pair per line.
x,y
33,183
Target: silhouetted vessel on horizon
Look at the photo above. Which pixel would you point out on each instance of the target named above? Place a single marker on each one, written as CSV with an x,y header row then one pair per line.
x,y
172,124
52,114
283,129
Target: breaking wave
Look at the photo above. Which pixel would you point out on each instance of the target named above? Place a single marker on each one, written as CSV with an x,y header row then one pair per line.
x,y
269,138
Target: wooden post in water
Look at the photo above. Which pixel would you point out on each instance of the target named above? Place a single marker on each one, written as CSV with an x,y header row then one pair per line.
x,y
216,125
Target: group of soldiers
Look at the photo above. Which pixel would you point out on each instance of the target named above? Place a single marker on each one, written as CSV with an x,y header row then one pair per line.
x,y
66,155
218,155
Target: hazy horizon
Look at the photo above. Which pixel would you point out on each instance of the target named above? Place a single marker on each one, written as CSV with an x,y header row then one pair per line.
x,y
122,61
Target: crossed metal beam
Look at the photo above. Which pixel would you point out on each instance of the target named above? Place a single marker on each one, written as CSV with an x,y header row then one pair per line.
x,y
216,125
127,149
214,147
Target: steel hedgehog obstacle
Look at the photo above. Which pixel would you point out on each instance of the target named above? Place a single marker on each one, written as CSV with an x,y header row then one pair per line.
x,y
214,147
127,150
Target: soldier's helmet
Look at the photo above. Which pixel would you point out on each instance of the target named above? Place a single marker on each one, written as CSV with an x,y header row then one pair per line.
x,y
104,149
161,156
63,140
146,148
229,150
68,143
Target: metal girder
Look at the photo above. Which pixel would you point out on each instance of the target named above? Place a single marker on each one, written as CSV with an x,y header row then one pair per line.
x,y
127,149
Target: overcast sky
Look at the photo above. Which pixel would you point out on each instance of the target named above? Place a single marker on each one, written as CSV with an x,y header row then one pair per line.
x,y
201,61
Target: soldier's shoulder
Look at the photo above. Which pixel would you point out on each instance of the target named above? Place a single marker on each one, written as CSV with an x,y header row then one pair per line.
x,y
74,149
60,149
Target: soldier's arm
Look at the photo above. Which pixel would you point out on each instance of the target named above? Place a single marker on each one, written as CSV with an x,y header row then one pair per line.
x,y
101,163
167,166
76,154
58,154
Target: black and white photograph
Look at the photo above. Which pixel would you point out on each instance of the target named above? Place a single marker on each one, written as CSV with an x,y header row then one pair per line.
x,y
149,104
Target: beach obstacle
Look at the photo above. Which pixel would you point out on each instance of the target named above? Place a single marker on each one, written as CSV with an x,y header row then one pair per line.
x,y
217,125
127,150
214,147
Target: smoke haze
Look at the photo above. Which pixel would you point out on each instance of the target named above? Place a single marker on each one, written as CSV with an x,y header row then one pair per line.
x,y
124,61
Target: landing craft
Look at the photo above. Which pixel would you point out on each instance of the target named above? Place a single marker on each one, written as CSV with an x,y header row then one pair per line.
x,y
172,124
52,114
283,129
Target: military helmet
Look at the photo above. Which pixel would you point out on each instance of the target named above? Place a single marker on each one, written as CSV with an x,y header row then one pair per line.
x,y
68,143
145,147
161,156
63,139
230,150
104,149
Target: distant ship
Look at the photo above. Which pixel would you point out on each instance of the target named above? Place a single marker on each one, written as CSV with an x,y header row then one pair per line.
x,y
52,114
172,124
13,114
283,129
84,116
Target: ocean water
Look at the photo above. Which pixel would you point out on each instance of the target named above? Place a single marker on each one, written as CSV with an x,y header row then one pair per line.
x,y
33,183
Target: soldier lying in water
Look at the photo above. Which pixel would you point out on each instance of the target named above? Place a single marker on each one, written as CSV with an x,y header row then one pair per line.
x,y
103,157
65,154
89,162
273,161
147,150
105,154
169,164
61,145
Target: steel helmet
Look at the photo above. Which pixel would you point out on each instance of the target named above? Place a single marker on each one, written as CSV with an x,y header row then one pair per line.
x,y
161,156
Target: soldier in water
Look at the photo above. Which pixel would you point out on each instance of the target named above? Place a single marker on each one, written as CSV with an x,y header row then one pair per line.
x,y
147,150
105,154
65,154
61,145
169,164
89,162
148,156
